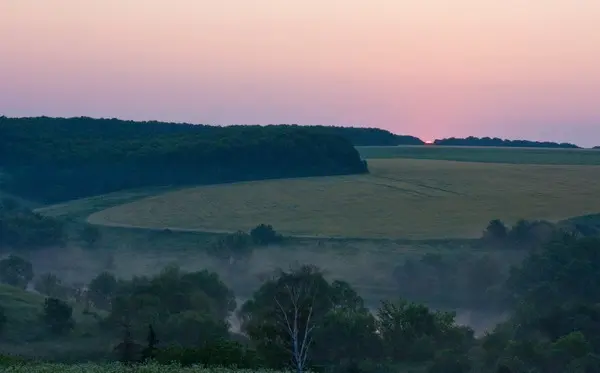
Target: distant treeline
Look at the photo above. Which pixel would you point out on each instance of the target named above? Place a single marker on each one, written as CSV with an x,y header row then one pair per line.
x,y
55,159
369,136
489,141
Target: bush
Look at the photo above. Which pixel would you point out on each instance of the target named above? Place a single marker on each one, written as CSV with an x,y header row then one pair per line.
x,y
222,353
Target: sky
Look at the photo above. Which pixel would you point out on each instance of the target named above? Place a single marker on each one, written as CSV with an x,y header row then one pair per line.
x,y
430,68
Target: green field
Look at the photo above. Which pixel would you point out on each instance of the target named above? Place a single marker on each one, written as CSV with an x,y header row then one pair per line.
x,y
400,198
117,368
539,156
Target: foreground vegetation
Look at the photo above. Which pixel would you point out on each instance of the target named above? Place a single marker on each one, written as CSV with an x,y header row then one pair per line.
x,y
297,319
120,368
416,199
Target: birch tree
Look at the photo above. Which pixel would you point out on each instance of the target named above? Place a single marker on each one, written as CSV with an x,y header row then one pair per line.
x,y
296,313
283,315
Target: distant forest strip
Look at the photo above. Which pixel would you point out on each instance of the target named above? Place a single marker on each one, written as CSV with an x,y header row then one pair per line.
x,y
488,141
57,159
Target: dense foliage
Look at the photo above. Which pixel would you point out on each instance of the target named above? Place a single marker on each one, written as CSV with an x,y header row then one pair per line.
x,y
556,319
299,315
369,136
22,228
525,234
300,312
79,157
488,141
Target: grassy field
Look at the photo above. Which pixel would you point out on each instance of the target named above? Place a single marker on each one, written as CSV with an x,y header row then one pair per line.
x,y
117,368
401,198
26,335
540,156
150,368
82,208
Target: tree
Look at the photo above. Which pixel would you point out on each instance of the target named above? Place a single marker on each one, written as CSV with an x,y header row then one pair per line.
x,y
127,350
150,351
346,337
3,319
193,329
413,333
264,234
102,289
16,271
58,316
50,285
284,315
564,272
187,308
496,231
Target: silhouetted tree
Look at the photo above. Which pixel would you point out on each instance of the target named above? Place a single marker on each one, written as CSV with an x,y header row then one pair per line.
x,y
496,231
264,234
127,349
3,319
58,316
150,351
102,289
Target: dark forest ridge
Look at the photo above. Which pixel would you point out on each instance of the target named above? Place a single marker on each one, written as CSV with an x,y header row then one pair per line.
x,y
358,136
497,142
80,157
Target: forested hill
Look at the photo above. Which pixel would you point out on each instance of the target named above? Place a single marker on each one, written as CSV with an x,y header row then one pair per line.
x,y
55,159
369,136
488,141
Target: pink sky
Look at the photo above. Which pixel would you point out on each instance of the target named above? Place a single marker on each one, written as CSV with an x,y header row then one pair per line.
x,y
430,68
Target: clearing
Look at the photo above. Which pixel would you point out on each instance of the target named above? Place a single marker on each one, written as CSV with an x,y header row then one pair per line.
x,y
401,198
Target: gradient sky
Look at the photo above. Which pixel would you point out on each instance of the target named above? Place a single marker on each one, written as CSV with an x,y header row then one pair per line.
x,y
431,68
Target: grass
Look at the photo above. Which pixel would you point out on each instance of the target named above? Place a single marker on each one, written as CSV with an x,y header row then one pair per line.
x,y
152,368
25,334
542,156
401,198
118,368
81,208
22,309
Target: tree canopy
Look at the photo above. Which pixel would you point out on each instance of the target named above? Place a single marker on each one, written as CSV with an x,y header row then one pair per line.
x,y
488,141
79,157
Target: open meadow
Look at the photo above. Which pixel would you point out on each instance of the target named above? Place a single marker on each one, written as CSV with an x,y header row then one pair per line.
x,y
486,154
400,198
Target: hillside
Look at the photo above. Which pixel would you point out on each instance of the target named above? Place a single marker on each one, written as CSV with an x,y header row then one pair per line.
x,y
80,157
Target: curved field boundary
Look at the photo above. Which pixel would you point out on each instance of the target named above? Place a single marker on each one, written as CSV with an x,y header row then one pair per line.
x,y
400,199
